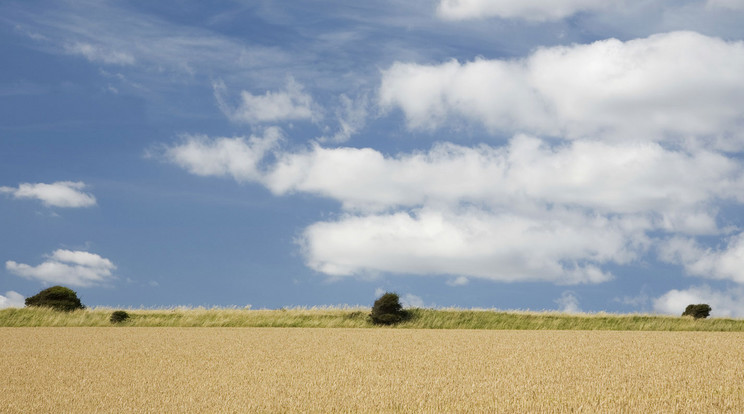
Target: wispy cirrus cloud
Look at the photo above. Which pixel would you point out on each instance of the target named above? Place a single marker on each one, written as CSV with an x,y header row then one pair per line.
x,y
68,194
69,267
99,54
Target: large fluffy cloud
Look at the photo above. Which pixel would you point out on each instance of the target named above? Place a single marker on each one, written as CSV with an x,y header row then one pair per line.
x,y
627,177
728,303
59,194
565,247
540,209
535,10
68,267
679,85
725,263
12,300
525,211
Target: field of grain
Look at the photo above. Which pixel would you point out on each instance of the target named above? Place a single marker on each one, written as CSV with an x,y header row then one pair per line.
x,y
367,370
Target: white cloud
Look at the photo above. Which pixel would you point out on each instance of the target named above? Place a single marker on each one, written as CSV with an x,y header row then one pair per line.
x,y
458,281
565,247
568,302
12,300
614,178
524,211
411,301
59,194
235,157
726,263
726,4
100,54
729,303
351,115
288,105
679,85
534,10
76,268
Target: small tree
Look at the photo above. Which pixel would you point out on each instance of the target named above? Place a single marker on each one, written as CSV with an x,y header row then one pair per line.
x,y
699,311
119,316
387,310
56,297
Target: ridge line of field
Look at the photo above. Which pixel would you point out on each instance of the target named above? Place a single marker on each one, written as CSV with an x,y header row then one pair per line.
x,y
329,317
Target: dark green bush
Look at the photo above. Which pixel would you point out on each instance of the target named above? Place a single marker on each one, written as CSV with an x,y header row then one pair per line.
x,y
56,297
699,311
387,310
119,316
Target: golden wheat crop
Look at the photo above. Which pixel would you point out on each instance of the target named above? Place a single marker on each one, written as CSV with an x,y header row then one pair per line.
x,y
79,370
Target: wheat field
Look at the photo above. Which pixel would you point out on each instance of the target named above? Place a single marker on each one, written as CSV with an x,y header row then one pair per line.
x,y
66,370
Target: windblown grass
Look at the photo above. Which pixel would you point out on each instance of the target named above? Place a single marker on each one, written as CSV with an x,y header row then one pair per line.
x,y
356,317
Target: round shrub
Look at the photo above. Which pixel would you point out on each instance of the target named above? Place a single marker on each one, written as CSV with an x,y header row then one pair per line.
x,y
699,311
387,310
119,316
56,297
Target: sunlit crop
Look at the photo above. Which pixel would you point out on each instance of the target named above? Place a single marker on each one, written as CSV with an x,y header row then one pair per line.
x,y
130,369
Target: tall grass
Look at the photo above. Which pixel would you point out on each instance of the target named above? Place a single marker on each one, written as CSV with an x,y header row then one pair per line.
x,y
356,317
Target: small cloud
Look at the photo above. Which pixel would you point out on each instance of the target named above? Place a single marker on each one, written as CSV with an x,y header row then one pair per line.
x,y
459,281
352,116
412,301
12,300
568,302
238,157
99,54
638,301
288,105
76,268
60,194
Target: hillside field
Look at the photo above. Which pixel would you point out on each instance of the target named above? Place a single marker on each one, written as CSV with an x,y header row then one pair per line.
x,y
132,369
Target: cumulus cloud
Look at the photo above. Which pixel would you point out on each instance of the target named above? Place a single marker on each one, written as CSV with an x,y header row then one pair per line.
x,y
679,85
237,157
525,211
59,194
729,303
534,10
12,300
102,54
68,267
617,178
725,263
567,248
288,105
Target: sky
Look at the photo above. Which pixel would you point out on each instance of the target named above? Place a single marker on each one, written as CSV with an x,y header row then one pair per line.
x,y
570,155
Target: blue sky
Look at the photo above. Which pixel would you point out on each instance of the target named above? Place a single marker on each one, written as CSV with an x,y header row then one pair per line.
x,y
575,155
